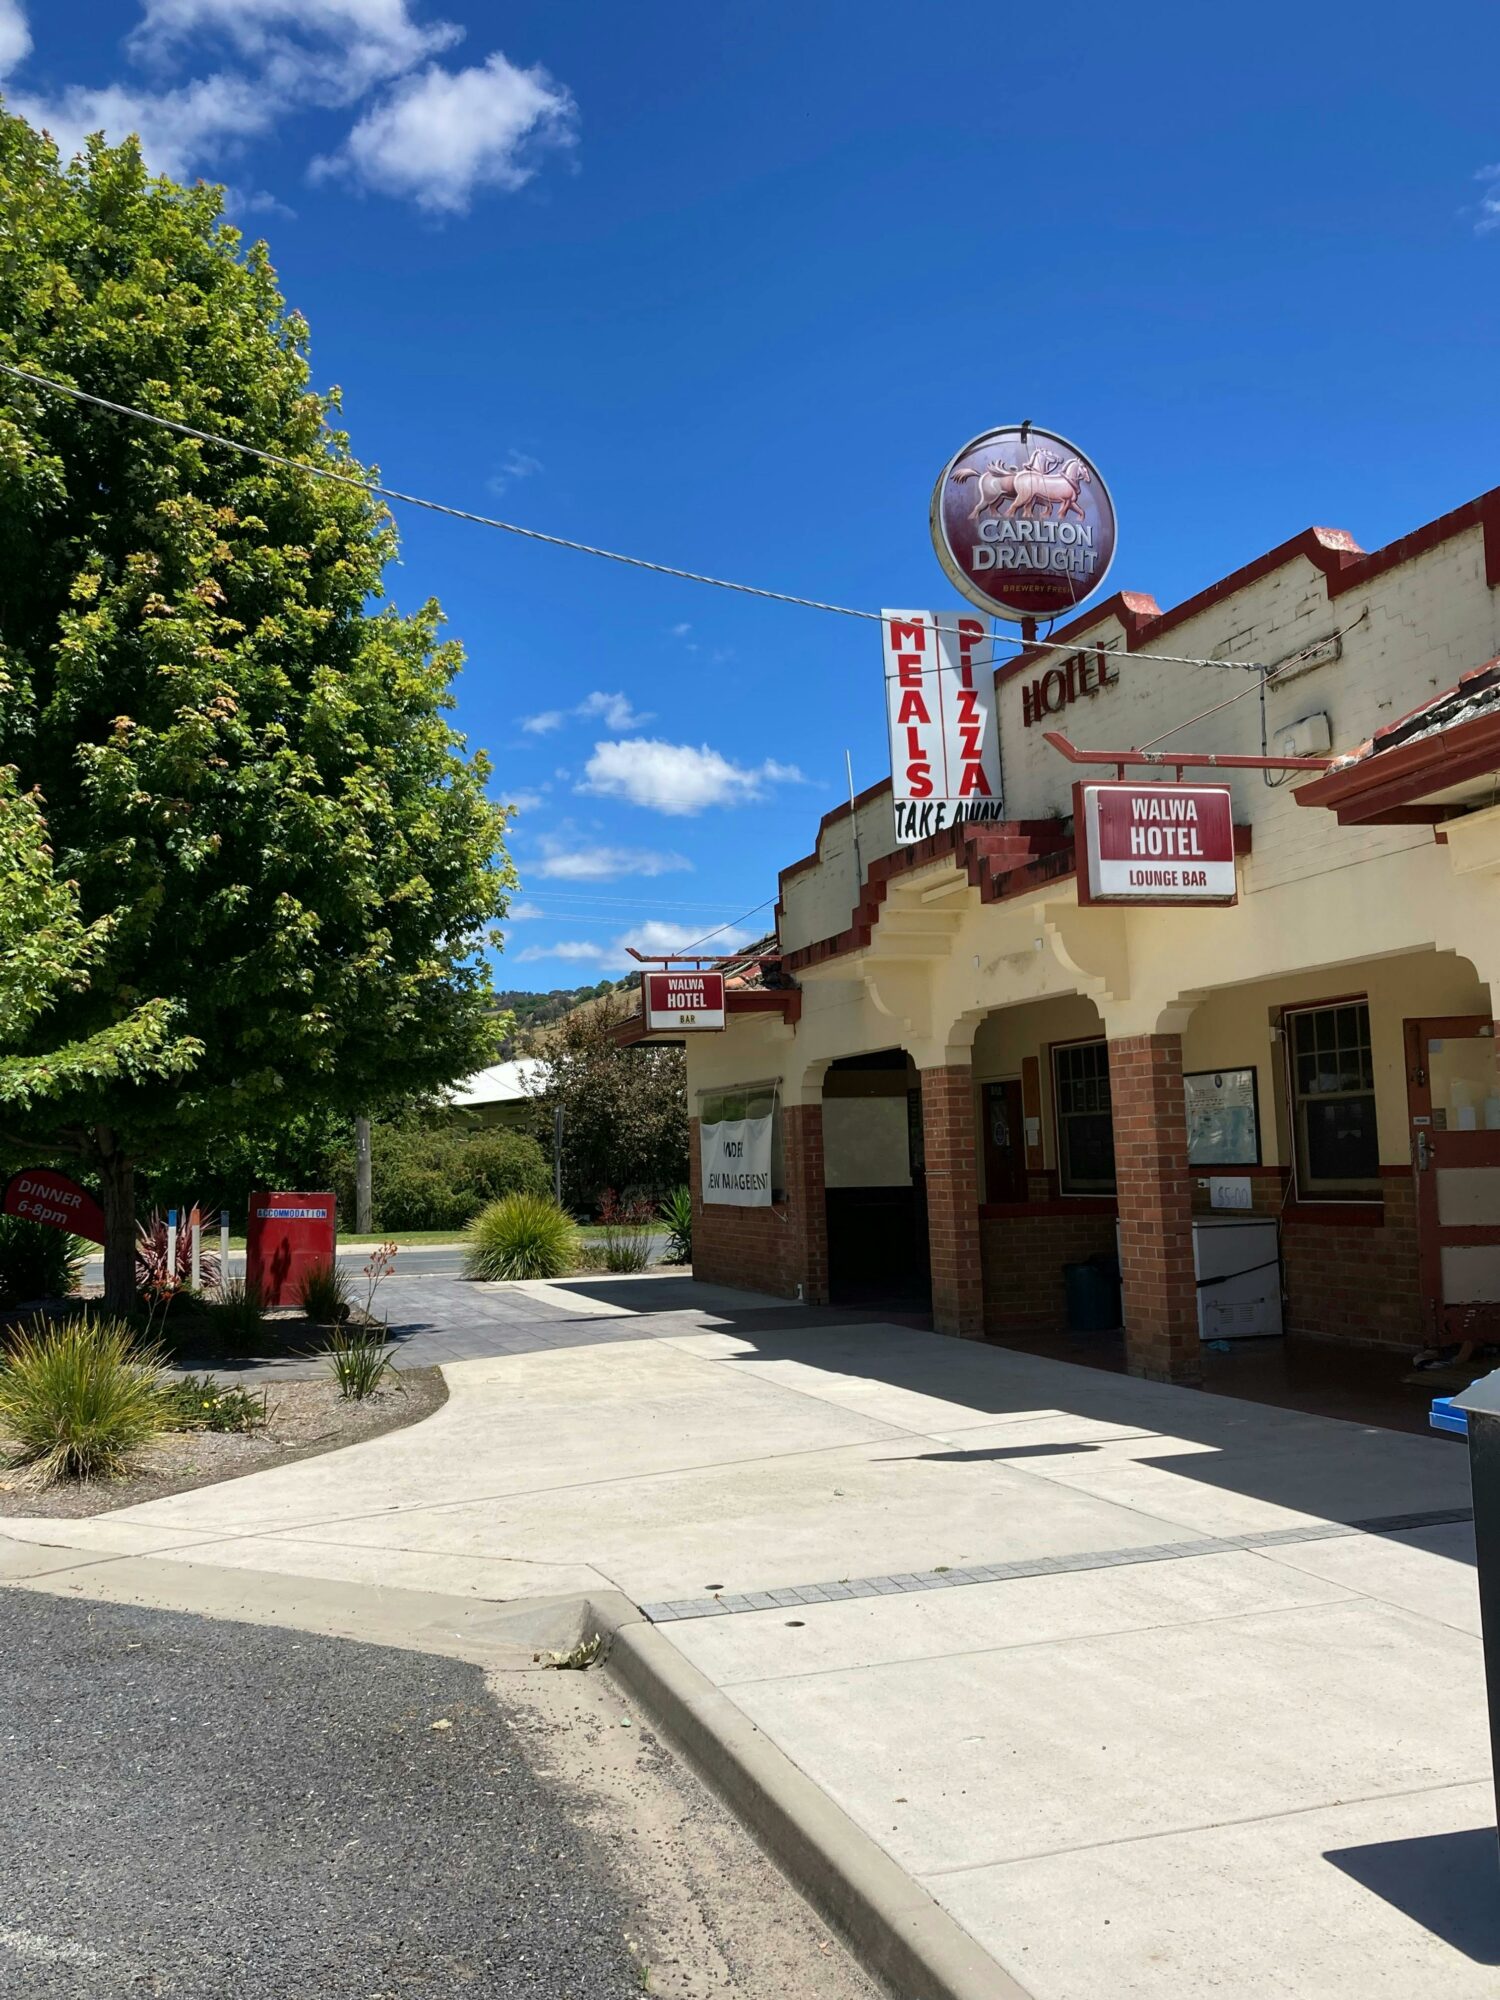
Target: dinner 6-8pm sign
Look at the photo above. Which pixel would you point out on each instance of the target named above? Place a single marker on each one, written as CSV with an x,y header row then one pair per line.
x,y
1151,843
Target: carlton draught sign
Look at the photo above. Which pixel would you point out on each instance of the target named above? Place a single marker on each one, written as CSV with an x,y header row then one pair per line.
x,y
1155,843
940,705
1023,523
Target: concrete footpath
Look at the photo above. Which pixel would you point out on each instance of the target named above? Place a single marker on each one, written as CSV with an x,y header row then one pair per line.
x,y
1152,1693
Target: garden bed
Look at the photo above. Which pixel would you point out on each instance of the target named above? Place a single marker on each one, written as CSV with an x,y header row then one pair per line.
x,y
304,1419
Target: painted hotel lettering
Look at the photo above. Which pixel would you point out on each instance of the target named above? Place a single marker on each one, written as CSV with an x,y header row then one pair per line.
x,y
1080,674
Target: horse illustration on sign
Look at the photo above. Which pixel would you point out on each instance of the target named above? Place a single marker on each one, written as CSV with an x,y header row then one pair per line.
x,y
1023,523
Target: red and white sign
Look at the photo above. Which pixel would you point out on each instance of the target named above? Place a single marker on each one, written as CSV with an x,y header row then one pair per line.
x,y
940,705
286,1236
1152,843
674,1002
41,1194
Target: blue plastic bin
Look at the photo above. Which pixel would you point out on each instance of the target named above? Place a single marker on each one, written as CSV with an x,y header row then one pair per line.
x,y
1443,1417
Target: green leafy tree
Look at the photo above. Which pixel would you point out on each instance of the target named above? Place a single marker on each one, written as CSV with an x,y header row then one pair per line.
x,y
624,1110
283,853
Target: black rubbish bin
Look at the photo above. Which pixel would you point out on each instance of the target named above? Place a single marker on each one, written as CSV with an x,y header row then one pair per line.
x,y
1092,1291
1480,1403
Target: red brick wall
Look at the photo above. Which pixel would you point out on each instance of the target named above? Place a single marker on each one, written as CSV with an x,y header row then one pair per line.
x,y
1357,1281
769,1249
949,1141
1156,1216
1023,1258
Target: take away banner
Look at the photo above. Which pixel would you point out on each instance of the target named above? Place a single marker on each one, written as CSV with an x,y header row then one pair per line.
x,y
940,707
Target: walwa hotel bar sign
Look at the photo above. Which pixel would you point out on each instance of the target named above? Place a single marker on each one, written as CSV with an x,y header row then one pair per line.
x,y
672,1002
1154,843
940,704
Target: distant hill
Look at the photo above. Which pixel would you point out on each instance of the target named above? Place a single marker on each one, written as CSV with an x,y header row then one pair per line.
x,y
538,1010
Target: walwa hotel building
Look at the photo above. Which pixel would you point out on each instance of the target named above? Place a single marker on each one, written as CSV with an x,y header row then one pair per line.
x,y
1282,1114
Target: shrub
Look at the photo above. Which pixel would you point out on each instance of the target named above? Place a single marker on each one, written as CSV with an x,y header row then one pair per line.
x,y
77,1399
199,1403
37,1262
677,1213
237,1316
152,1276
324,1294
523,1236
627,1232
426,1174
358,1362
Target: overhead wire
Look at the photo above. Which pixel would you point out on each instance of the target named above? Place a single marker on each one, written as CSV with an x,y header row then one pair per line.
x,y
394,493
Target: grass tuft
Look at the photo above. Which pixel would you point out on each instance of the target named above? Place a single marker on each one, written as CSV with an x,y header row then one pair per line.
x,y
324,1294
237,1316
520,1236
199,1403
358,1362
77,1399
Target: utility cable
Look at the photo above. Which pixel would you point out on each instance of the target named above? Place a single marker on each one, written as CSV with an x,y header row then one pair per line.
x,y
366,485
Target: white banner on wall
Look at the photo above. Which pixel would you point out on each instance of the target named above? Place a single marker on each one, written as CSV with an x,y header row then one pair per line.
x,y
736,1158
940,706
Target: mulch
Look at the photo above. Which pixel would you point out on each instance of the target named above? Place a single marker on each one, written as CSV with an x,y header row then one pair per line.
x,y
304,1418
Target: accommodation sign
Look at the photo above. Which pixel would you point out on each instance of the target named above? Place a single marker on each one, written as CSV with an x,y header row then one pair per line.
x,y
1023,523
689,1002
1151,843
940,707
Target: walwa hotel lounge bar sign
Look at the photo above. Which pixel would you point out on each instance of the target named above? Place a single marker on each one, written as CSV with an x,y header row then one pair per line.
x,y
673,1002
940,705
1154,843
1023,523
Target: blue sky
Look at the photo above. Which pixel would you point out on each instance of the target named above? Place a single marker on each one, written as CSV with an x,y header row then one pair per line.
x,y
725,286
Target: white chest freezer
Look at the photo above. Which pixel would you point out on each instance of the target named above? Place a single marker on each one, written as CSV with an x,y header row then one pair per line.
x,y
1237,1262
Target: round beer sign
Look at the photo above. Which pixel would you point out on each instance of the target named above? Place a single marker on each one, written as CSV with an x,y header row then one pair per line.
x,y
1023,523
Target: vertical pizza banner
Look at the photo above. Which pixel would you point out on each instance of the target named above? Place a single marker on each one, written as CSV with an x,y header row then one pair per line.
x,y
940,709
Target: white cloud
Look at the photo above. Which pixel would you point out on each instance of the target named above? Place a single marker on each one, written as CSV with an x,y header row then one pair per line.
x,y
681,631
1489,203
331,51
439,135
435,136
522,802
613,710
561,863
652,939
524,913
677,778
515,465
571,948
177,128
662,940
15,36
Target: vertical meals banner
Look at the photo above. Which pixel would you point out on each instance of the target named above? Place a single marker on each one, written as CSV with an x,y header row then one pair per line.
x,y
736,1158
940,704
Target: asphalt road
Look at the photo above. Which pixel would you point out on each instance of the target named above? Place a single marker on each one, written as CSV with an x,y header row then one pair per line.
x,y
415,1261
196,1808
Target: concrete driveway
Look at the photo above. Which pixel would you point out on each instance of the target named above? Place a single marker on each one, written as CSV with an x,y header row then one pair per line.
x,y
1157,1693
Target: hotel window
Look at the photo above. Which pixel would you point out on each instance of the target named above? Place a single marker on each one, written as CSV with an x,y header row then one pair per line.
x,y
763,1101
1085,1121
1333,1102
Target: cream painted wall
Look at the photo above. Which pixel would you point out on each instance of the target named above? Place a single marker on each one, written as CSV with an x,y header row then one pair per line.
x,y
1412,631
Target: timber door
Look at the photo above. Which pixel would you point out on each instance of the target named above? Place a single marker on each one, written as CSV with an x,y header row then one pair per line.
x,y
1453,1089
1004,1142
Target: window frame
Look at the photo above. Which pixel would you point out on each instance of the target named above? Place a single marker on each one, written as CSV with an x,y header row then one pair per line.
x,y
1096,1191
1358,1193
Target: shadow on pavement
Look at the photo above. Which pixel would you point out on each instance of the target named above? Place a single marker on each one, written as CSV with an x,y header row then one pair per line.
x,y
1449,1883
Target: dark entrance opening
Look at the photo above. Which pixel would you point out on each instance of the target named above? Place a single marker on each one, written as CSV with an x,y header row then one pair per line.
x,y
876,1186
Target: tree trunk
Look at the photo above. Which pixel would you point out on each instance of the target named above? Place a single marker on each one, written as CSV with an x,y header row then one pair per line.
x,y
117,1199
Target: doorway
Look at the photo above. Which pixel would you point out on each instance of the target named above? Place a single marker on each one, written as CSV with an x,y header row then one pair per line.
x,y
876,1186
1453,1093
1003,1113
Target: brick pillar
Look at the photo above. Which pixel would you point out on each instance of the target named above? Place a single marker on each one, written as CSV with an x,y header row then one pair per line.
x,y
1156,1216
948,1139
806,1202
